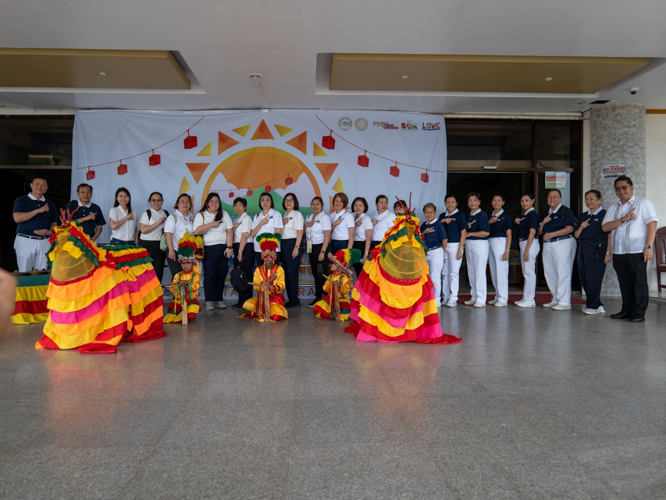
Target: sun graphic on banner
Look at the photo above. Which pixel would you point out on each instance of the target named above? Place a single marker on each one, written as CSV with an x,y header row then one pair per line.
x,y
248,169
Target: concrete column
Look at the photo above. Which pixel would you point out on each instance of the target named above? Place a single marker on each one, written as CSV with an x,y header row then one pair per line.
x,y
617,135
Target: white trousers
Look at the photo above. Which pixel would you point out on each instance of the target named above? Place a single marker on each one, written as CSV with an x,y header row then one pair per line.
x,y
435,260
477,260
31,254
451,274
557,267
499,268
529,268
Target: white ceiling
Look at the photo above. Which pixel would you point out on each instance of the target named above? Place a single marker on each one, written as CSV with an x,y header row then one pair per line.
x,y
222,42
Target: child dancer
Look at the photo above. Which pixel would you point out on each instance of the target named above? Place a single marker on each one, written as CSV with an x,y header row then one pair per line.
x,y
268,280
185,284
338,286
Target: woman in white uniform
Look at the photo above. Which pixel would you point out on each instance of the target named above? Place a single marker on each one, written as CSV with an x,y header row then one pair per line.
x,y
243,246
318,236
342,224
478,230
529,248
152,228
175,227
292,235
382,221
123,220
362,231
455,224
268,220
499,242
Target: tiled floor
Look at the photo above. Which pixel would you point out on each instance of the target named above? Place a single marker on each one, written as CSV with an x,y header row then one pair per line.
x,y
533,404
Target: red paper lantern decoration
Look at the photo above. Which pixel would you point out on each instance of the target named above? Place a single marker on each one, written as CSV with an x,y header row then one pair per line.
x,y
90,174
249,192
231,194
328,141
395,171
288,181
190,141
122,168
363,160
268,189
154,159
424,177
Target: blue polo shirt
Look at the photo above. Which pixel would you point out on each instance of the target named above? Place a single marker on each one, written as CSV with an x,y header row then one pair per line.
x,y
559,219
479,222
529,221
28,203
499,228
593,232
435,238
90,226
454,229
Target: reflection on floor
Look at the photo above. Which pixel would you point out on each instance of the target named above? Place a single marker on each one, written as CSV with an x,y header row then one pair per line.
x,y
533,404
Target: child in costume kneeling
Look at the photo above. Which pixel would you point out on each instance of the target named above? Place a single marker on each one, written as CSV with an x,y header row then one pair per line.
x,y
269,282
338,286
185,284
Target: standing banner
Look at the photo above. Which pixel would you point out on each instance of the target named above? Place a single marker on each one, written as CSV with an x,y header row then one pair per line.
x,y
246,153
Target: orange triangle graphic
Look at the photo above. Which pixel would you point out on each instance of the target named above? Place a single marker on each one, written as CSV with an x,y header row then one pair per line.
x,y
206,151
282,130
224,142
262,132
192,209
330,203
184,186
337,187
300,142
197,169
317,151
327,170
242,130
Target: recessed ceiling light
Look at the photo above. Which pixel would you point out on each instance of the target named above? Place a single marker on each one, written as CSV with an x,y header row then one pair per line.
x,y
404,77
549,78
102,73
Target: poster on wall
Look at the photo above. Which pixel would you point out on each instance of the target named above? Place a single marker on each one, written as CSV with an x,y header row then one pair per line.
x,y
611,171
556,180
246,153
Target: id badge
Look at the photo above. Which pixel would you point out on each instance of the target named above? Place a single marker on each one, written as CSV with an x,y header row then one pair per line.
x,y
308,248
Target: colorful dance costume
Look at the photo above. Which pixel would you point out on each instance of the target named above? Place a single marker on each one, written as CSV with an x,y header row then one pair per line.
x,y
185,286
269,282
336,304
393,299
98,297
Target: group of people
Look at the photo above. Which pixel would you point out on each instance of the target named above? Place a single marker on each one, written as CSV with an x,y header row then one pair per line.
x,y
624,234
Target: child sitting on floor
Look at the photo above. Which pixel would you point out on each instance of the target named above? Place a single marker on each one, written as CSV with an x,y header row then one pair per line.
x,y
185,284
336,304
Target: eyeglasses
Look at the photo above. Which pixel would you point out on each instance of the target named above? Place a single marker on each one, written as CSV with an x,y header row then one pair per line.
x,y
288,200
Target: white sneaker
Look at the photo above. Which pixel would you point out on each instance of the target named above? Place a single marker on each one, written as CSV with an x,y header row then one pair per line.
x,y
493,302
601,310
210,306
220,305
500,304
562,307
526,303
451,304
589,311
470,302
479,304
552,303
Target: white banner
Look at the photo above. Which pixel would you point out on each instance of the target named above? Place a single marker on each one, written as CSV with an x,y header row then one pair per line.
x,y
244,153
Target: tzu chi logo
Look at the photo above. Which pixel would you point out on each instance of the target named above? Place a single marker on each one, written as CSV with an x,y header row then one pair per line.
x,y
345,123
361,124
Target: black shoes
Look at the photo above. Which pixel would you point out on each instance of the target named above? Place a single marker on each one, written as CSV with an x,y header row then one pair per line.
x,y
237,306
621,315
292,304
312,304
634,318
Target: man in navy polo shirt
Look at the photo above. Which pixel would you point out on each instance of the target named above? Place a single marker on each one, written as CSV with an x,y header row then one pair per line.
x,y
88,215
36,217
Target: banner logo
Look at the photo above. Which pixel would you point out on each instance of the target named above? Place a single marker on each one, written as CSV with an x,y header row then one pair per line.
x,y
361,124
431,126
409,126
345,123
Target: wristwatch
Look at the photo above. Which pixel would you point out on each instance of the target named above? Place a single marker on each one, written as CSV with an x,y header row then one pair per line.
x,y
649,247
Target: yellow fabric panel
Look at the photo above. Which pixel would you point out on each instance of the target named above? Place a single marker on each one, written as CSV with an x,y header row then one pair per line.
x,y
27,318
110,320
397,296
102,280
171,318
31,293
414,321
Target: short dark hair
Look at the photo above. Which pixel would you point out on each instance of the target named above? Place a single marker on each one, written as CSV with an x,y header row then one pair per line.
x,y
451,195
218,214
528,194
474,193
399,203
595,192
557,191
500,195
269,196
296,206
318,198
84,185
155,192
179,197
39,177
242,201
362,200
623,178
343,198
129,203
379,197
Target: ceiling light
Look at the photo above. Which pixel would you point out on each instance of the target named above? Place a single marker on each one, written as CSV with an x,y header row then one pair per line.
x,y
102,73
254,78
404,77
549,78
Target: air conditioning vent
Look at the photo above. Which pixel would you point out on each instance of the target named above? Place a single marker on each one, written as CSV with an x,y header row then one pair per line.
x,y
599,102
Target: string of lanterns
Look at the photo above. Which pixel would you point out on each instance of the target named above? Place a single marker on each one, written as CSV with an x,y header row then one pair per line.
x,y
328,142
289,180
189,142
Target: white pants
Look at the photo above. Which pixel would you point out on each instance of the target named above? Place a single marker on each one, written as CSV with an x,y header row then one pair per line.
x,y
435,260
499,268
31,254
451,274
477,260
557,267
529,268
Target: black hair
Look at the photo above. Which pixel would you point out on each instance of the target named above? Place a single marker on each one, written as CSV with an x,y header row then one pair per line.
x,y
295,201
362,200
557,191
155,192
528,194
379,197
129,203
270,197
474,193
343,198
451,195
218,214
84,185
179,197
623,178
595,192
318,198
399,203
500,195
242,201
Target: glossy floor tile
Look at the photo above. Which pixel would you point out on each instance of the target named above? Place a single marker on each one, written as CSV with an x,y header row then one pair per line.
x,y
534,403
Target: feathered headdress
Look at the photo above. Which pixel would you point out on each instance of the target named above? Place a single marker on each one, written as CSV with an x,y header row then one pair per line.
x,y
345,258
268,242
190,248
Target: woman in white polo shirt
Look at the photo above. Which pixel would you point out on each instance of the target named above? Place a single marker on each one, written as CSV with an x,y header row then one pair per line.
x,y
123,220
362,231
214,225
382,221
243,246
175,227
152,227
292,235
342,224
268,220
318,235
